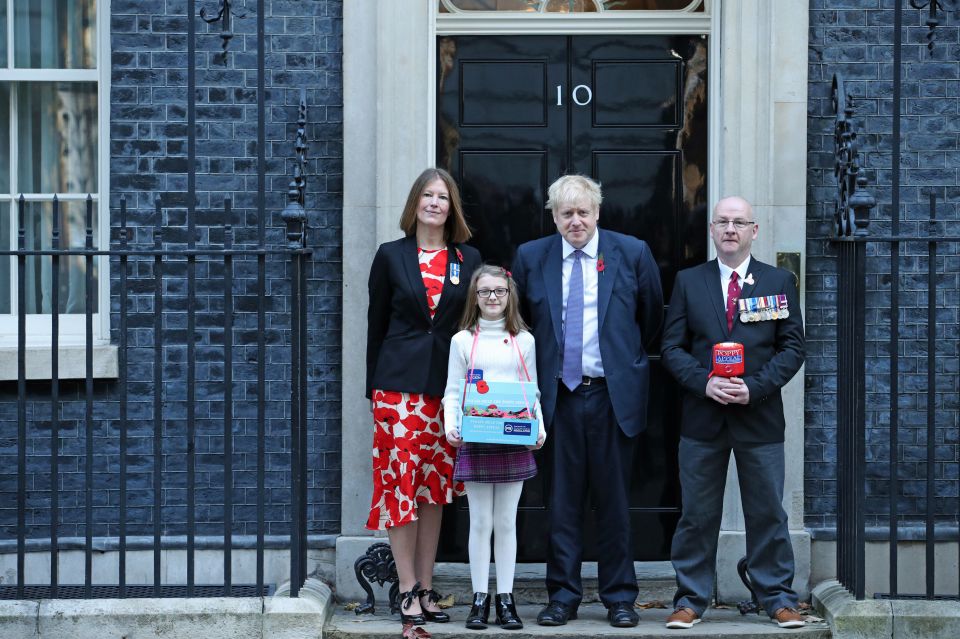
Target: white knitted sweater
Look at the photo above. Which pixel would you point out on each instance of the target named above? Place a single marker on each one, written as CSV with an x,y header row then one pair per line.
x,y
496,356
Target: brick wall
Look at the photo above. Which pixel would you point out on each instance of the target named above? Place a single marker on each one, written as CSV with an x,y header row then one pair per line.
x,y
855,38
148,161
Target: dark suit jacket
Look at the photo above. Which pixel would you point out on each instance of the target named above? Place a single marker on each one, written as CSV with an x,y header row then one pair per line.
x,y
773,351
406,349
630,312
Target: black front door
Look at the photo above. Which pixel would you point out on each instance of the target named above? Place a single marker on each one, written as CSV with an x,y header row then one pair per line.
x,y
516,112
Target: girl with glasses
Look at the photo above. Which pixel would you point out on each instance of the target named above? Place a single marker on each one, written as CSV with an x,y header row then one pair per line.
x,y
502,349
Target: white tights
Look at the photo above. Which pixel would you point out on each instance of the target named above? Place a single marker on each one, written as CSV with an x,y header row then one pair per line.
x,y
493,510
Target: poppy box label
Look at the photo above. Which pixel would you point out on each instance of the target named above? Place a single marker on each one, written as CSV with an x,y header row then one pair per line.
x,y
498,413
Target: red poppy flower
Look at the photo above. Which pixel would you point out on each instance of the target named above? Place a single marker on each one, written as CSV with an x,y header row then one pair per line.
x,y
600,264
382,439
431,409
483,387
402,443
433,483
434,287
391,397
414,423
393,507
438,264
459,255
386,415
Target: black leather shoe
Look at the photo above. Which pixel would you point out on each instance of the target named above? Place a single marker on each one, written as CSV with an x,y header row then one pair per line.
x,y
406,600
556,614
479,615
507,616
433,597
622,615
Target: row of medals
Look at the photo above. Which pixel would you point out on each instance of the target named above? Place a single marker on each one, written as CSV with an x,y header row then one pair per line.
x,y
759,309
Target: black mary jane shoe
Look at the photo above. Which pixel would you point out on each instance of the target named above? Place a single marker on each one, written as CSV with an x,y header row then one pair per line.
x,y
433,597
507,616
479,615
406,600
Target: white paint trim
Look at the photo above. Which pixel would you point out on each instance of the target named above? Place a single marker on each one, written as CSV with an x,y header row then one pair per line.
x,y
51,75
9,29
70,365
432,92
102,328
450,6
651,22
47,197
71,326
714,113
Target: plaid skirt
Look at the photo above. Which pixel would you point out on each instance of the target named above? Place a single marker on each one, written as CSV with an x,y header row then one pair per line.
x,y
494,463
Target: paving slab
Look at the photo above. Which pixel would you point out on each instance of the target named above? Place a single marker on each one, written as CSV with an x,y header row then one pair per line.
x,y
897,618
591,622
209,618
18,619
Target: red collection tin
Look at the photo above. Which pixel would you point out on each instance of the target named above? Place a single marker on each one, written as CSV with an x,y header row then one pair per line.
x,y
728,359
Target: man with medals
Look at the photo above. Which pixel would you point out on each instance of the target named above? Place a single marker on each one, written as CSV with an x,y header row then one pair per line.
x,y
755,305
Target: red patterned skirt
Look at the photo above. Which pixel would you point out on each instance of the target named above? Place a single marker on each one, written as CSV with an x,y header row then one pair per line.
x,y
412,460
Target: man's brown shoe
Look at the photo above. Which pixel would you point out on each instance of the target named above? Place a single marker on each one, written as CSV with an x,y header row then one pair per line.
x,y
788,618
682,618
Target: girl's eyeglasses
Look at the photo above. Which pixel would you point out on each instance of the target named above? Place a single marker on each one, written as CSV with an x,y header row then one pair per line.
x,y
484,293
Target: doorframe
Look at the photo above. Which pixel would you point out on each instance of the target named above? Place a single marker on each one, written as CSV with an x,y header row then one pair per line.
x,y
757,148
608,23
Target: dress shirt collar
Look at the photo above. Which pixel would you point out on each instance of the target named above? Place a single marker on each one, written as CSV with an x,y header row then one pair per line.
x,y
590,249
741,270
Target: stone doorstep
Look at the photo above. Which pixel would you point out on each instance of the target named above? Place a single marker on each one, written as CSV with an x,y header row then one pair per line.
x,y
591,622
888,618
656,581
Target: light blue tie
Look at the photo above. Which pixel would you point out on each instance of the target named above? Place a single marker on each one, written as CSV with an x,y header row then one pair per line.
x,y
573,327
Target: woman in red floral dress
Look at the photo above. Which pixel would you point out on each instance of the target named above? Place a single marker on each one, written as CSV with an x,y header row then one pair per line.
x,y
418,288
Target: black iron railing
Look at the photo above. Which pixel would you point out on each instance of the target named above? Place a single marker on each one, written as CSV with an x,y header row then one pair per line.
x,y
856,245
140,268
154,284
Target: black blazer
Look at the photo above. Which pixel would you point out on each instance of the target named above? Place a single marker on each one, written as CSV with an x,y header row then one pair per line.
x,y
630,313
773,352
406,349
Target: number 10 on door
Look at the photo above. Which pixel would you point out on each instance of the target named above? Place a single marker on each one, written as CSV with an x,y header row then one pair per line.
x,y
576,95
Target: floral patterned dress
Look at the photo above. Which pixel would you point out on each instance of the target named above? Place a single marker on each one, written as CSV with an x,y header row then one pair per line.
x,y
412,460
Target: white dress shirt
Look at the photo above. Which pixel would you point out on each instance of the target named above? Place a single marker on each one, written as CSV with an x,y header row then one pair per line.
x,y
592,366
726,272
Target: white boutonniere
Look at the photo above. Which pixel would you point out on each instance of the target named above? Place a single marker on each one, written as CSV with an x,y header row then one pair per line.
x,y
749,279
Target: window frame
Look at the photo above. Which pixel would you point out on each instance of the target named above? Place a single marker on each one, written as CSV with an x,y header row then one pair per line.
x,y
72,326
452,9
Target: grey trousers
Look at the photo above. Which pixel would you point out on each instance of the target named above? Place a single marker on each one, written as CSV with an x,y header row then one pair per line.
x,y
703,474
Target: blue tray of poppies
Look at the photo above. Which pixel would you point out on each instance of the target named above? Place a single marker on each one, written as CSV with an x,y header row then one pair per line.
x,y
497,413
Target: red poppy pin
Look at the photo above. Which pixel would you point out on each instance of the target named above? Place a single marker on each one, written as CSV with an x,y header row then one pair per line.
x,y
482,387
600,264
459,254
